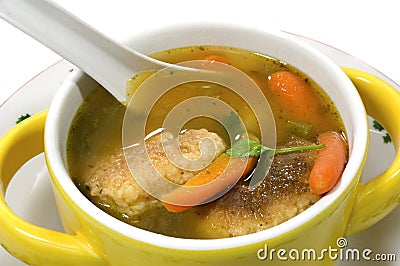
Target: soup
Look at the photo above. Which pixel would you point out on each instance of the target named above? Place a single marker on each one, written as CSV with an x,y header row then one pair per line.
x,y
97,162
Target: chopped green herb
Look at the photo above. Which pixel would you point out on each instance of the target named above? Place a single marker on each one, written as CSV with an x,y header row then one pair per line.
x,y
386,138
299,129
22,118
70,70
245,147
232,124
379,127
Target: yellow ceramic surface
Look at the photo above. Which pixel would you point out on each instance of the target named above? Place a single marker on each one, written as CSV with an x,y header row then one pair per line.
x,y
89,242
380,196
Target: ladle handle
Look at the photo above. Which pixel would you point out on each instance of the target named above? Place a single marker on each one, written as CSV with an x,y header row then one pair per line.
x,y
78,43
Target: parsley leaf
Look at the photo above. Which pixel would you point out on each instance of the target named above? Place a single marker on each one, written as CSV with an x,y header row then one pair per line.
x,y
379,127
245,147
387,138
22,118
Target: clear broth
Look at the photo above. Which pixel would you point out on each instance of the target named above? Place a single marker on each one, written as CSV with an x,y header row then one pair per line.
x,y
96,128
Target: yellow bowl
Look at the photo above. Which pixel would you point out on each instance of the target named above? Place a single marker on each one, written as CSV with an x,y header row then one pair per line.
x,y
315,236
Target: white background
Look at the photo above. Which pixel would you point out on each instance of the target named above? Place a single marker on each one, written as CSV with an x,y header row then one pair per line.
x,y
365,29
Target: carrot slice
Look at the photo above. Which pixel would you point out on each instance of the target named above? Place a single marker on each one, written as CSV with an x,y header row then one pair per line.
x,y
295,95
330,163
216,58
215,179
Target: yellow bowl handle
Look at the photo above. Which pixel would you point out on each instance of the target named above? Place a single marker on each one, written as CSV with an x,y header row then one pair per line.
x,y
381,195
30,243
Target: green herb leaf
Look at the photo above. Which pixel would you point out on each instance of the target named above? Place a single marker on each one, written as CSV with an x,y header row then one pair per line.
x,y
245,147
300,129
232,123
377,125
387,138
22,118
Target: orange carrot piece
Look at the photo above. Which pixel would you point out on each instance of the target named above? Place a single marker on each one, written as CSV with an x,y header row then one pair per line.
x,y
209,182
330,163
294,94
216,58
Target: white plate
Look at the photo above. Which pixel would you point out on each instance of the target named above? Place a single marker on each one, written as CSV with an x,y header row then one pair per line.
x,y
30,194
